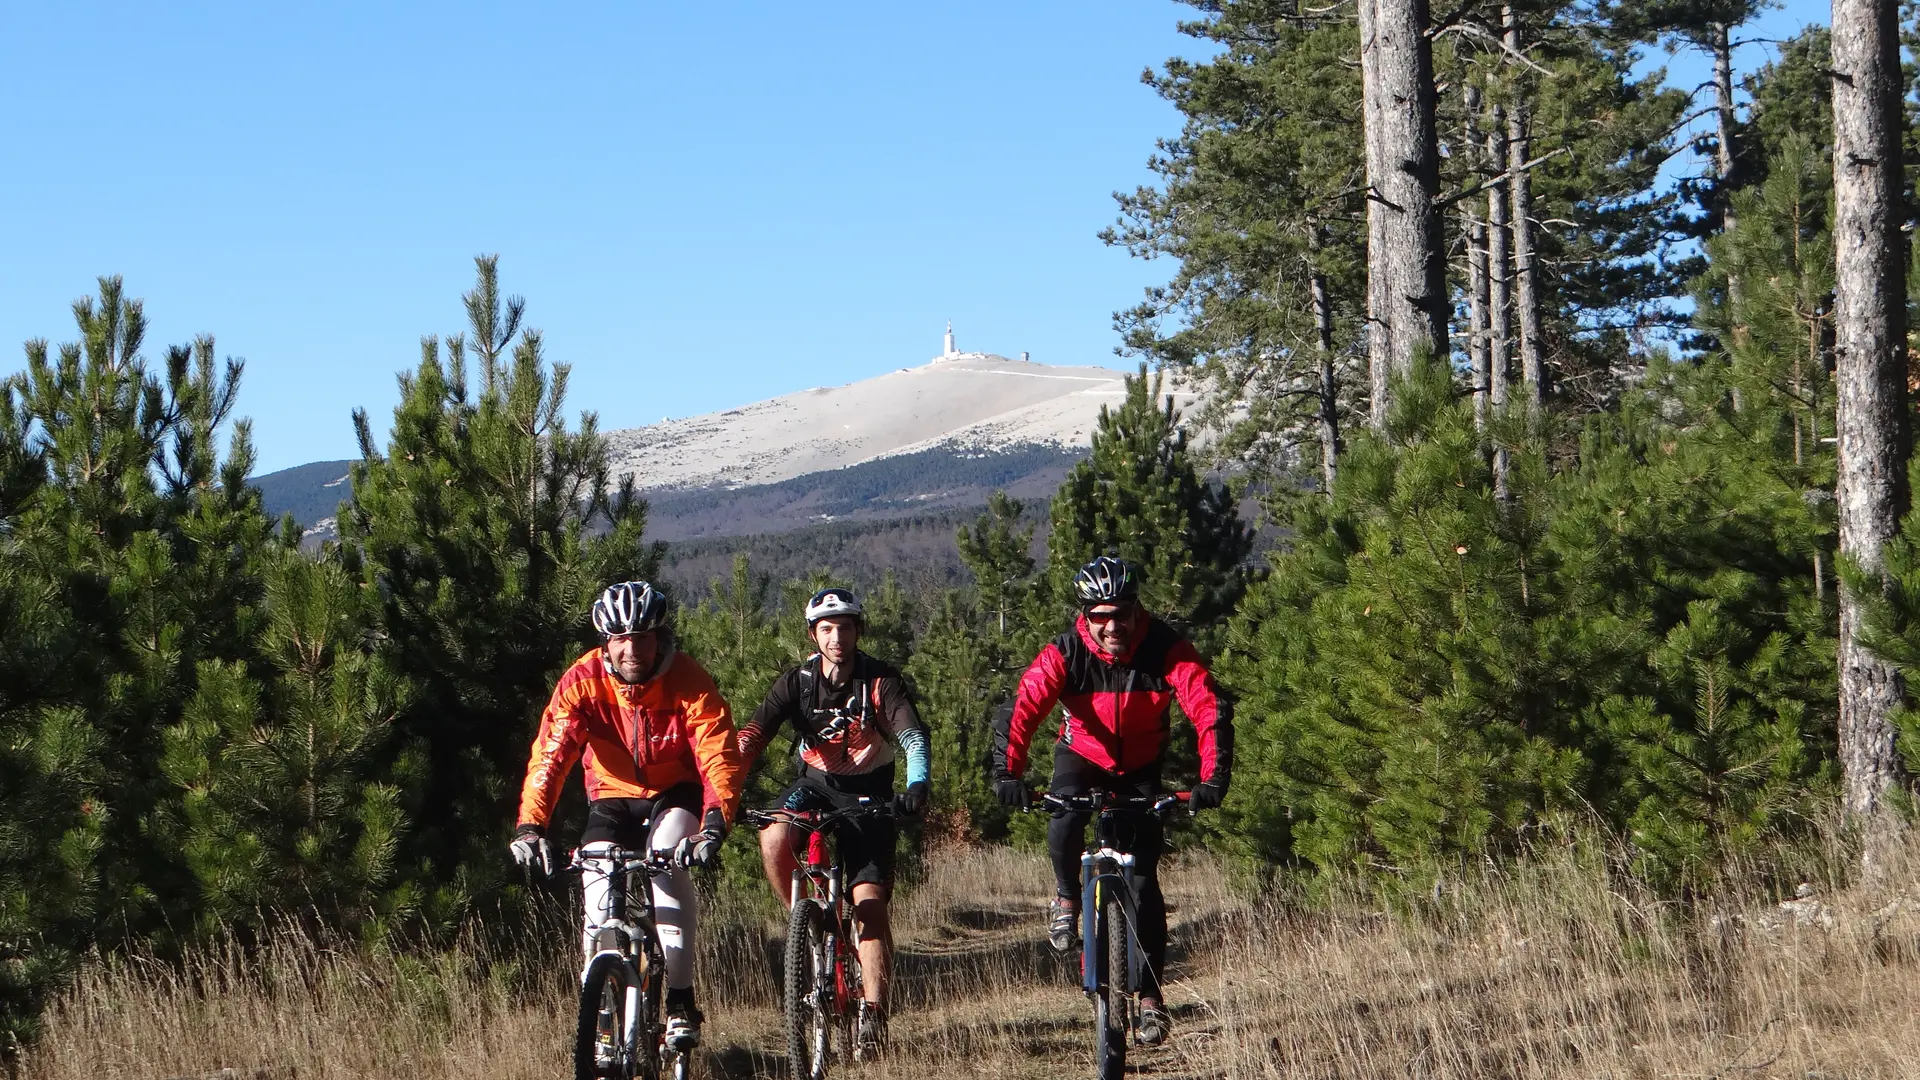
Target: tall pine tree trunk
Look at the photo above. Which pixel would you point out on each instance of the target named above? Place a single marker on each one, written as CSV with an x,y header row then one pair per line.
x,y
1329,388
1499,292
1526,289
1477,285
1870,370
1725,162
1406,276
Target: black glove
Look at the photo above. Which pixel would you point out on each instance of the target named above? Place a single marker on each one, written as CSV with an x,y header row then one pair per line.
x,y
1208,796
1013,792
531,850
913,800
701,850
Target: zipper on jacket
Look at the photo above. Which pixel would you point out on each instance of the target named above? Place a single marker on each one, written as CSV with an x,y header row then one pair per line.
x,y
640,734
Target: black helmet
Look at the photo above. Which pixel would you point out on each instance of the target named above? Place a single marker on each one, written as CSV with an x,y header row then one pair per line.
x,y
630,607
1106,580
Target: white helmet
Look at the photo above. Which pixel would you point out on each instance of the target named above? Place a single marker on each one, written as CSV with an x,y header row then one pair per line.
x,y
828,603
630,607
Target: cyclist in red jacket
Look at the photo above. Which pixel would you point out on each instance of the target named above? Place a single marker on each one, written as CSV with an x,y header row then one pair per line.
x,y
1115,675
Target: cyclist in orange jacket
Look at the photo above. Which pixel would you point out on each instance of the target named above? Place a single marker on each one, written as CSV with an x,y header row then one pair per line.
x,y
663,773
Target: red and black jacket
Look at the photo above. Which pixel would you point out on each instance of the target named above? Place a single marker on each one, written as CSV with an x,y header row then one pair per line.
x,y
1116,706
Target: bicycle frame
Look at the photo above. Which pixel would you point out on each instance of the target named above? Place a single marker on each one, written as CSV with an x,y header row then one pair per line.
x,y
628,865
820,878
1104,869
627,926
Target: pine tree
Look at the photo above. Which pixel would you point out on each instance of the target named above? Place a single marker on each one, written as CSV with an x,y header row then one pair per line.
x,y
1555,151
52,816
1138,495
958,685
1726,763
1430,669
150,537
1387,670
292,783
1260,201
732,632
996,550
976,642
486,528
131,543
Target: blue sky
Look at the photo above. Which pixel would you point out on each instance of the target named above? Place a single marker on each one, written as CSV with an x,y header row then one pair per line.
x,y
701,211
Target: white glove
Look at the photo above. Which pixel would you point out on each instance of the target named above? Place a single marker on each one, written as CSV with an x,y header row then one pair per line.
x,y
530,849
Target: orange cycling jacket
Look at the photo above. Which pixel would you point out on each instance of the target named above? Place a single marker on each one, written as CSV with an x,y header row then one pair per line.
x,y
638,740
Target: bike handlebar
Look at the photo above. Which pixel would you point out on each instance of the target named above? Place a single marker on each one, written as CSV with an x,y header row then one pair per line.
x,y
653,862
814,820
1104,801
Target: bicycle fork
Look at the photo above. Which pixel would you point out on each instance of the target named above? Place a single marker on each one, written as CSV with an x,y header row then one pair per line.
x,y
1098,884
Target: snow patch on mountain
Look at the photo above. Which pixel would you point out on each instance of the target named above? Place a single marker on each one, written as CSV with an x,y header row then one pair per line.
x,y
966,400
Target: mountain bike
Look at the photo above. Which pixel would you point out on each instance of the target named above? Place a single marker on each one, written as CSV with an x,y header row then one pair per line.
x,y
621,990
823,976
1111,959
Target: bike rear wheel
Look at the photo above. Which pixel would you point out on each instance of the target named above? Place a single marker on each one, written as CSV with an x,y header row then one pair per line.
x,y
809,991
1110,1003
617,1037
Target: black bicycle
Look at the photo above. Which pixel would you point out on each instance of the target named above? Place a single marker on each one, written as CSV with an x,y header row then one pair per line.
x,y
620,1035
823,976
1111,959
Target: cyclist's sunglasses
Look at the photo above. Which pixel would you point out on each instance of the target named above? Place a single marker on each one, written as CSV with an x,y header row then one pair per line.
x,y
1113,613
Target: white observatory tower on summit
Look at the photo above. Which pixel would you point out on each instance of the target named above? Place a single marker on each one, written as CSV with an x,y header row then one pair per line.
x,y
950,351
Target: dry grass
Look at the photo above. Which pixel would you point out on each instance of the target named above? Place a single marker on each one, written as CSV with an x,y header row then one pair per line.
x,y
1549,968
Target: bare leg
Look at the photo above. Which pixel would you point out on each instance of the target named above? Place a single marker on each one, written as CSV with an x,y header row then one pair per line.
x,y
778,856
874,931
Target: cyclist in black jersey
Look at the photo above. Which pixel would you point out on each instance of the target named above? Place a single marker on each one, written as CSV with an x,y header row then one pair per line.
x,y
847,710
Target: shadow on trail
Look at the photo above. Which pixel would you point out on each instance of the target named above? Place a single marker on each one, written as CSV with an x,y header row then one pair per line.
x,y
744,1063
960,967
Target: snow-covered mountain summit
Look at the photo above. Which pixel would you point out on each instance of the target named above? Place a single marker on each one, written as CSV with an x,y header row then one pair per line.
x,y
927,438
968,401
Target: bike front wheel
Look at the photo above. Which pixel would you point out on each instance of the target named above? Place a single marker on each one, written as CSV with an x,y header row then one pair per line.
x,y
1110,1003
616,1038
809,991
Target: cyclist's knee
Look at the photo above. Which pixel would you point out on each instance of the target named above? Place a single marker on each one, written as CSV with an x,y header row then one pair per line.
x,y
871,915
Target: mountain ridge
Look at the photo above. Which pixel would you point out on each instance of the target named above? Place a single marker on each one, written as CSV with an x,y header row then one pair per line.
x,y
936,437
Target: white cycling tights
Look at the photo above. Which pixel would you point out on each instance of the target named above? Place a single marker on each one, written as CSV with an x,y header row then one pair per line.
x,y
673,902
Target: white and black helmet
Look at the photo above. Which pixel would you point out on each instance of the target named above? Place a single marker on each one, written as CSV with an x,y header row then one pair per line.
x,y
829,603
1106,580
630,607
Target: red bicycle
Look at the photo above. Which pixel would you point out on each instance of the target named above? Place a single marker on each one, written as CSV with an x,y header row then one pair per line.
x,y
823,977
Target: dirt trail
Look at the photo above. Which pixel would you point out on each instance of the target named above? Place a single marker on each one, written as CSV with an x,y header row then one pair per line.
x,y
977,991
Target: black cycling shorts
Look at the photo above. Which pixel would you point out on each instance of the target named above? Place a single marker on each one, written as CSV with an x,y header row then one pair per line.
x,y
865,844
626,821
